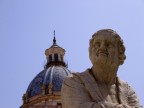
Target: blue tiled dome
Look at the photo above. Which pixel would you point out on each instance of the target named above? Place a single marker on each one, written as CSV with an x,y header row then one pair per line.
x,y
52,75
49,80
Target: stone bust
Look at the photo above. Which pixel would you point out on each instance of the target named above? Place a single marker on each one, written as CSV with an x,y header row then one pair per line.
x,y
99,86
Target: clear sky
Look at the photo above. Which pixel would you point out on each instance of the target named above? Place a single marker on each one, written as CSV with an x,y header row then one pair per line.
x,y
26,30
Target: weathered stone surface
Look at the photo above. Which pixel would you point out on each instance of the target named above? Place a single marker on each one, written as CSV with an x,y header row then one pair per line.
x,y
100,87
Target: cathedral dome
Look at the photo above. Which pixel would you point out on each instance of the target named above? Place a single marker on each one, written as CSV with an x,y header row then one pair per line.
x,y
51,76
46,86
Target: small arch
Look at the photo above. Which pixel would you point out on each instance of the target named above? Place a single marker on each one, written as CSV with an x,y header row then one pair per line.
x,y
56,57
50,58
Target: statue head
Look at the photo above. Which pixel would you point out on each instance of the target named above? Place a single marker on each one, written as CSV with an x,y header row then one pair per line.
x,y
106,46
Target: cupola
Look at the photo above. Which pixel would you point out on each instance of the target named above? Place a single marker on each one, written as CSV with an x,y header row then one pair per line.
x,y
44,91
55,54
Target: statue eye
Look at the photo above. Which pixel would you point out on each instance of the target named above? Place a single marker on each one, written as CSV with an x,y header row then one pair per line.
x,y
110,45
97,44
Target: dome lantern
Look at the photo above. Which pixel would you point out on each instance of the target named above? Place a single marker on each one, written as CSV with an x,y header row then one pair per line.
x,y
55,54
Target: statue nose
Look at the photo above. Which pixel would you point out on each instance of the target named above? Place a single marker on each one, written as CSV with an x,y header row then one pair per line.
x,y
102,49
103,46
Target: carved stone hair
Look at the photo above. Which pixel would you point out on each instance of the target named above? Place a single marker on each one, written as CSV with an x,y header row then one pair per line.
x,y
121,46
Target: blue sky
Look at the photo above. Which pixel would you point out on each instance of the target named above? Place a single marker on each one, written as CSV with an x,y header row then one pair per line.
x,y
26,31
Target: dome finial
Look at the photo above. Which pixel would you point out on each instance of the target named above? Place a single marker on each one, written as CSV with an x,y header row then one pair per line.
x,y
54,39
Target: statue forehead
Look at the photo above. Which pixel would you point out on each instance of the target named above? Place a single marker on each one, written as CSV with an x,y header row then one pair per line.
x,y
104,36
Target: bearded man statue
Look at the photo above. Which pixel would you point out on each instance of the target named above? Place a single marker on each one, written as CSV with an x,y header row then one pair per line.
x,y
99,86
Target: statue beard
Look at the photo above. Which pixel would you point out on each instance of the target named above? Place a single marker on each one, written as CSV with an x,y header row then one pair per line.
x,y
106,69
